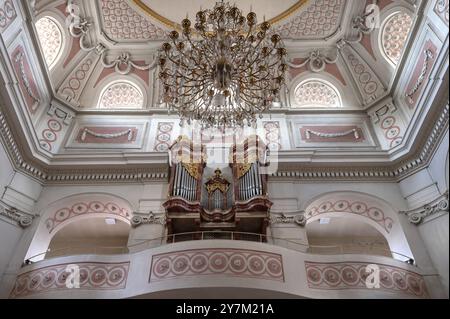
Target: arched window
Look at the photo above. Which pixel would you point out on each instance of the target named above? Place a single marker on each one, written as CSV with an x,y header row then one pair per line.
x,y
317,93
394,35
50,37
121,95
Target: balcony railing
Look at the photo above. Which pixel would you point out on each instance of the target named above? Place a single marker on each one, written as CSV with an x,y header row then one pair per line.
x,y
222,235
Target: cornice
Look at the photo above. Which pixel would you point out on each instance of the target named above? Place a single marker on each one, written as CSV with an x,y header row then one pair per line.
x,y
421,158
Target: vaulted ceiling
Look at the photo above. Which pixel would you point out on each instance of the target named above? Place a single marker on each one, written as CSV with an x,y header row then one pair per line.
x,y
83,86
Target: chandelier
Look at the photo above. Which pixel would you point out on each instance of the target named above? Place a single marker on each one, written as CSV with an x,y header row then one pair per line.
x,y
223,72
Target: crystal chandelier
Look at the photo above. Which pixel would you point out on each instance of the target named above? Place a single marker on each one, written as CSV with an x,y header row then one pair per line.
x,y
223,72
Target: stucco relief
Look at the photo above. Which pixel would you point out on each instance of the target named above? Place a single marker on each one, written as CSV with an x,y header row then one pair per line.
x,y
106,135
7,14
316,93
224,262
50,134
370,86
389,125
93,276
163,136
50,37
320,19
421,73
122,22
395,34
332,134
272,132
27,82
441,9
84,208
352,207
353,275
73,86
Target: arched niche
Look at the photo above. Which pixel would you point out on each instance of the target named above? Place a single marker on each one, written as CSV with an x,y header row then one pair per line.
x,y
362,208
75,208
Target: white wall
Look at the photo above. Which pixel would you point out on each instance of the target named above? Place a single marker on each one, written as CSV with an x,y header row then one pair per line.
x,y
19,191
423,188
435,234
6,169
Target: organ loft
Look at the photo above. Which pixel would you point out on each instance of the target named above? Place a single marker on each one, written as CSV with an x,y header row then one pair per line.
x,y
214,202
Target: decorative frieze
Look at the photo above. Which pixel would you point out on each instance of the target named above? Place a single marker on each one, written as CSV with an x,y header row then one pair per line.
x,y
138,220
359,208
419,215
22,219
93,276
217,262
355,275
84,208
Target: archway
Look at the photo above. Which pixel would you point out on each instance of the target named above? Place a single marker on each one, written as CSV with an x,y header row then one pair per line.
x,y
80,208
362,209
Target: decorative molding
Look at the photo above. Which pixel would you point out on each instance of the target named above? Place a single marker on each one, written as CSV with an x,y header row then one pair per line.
x,y
95,207
151,218
79,27
7,14
124,65
316,61
353,132
129,133
387,122
353,275
73,86
395,34
367,81
50,134
394,172
217,262
357,208
272,132
429,56
29,85
419,215
313,22
93,276
123,22
163,136
60,113
316,93
22,219
360,23
298,219
441,9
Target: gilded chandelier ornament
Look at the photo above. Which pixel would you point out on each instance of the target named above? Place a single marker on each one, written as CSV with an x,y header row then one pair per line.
x,y
225,71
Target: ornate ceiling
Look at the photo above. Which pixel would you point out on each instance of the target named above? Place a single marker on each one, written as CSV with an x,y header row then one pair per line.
x,y
83,89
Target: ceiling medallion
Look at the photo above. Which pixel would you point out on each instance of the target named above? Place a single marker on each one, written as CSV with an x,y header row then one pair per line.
x,y
225,71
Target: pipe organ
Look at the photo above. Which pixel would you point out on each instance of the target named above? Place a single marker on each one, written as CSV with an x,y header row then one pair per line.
x,y
202,198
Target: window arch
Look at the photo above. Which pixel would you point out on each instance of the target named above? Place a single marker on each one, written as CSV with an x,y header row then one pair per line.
x,y
121,95
317,93
51,39
394,35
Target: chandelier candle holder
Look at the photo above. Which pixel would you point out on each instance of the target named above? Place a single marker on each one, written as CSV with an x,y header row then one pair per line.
x,y
225,71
